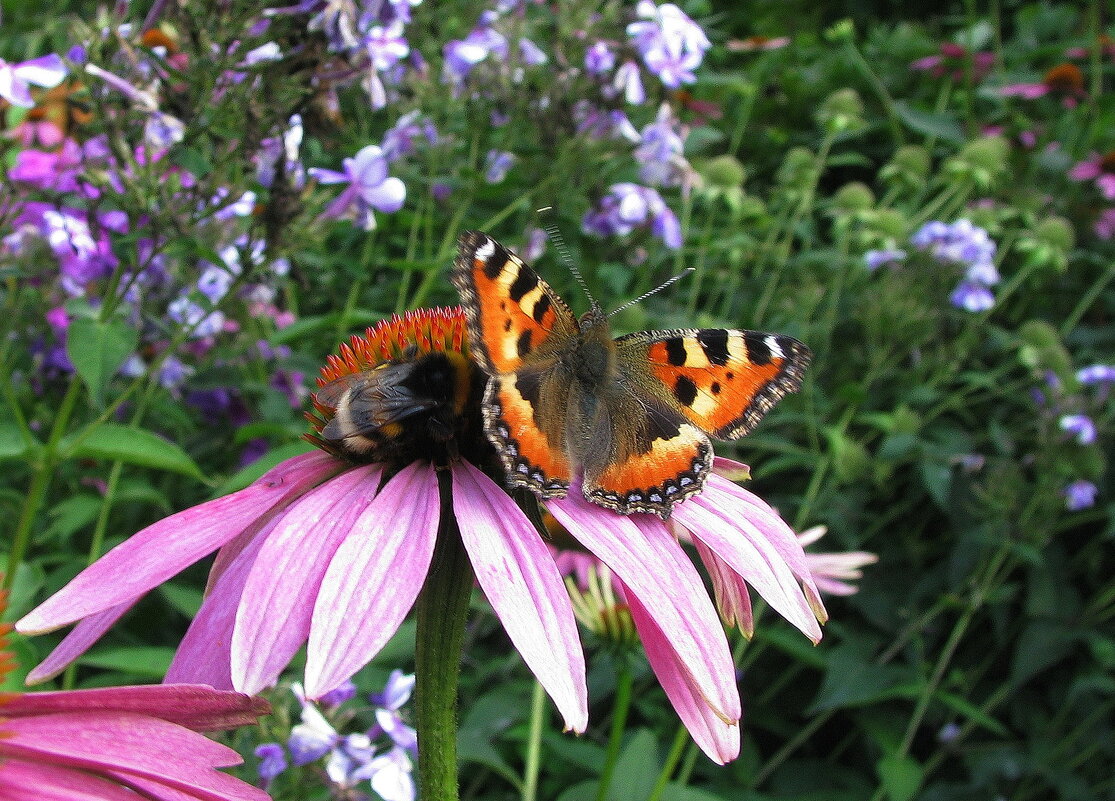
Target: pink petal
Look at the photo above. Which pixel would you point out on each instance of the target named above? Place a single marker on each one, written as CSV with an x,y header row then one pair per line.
x,y
27,781
752,542
77,642
374,578
193,706
128,743
514,568
205,654
730,590
719,739
273,616
156,553
643,554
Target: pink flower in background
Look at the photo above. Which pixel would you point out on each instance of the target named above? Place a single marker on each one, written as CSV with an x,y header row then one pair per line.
x,y
833,571
120,742
952,59
753,44
1098,168
1064,80
1105,224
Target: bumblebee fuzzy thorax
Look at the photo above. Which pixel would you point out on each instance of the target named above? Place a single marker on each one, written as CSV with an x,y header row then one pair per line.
x,y
405,390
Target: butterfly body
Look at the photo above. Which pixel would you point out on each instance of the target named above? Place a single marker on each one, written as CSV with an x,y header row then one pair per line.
x,y
629,416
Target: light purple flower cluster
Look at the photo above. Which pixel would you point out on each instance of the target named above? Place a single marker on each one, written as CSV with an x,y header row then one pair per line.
x,y
381,756
670,43
966,245
660,151
628,206
486,43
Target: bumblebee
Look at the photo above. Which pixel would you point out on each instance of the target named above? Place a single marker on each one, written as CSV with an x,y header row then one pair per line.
x,y
417,406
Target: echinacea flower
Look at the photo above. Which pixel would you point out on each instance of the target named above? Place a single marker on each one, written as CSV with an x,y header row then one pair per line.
x,y
120,742
757,44
952,59
1065,80
332,549
1098,168
834,571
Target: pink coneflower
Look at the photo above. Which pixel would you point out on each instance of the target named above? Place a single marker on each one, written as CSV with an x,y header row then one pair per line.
x,y
331,549
1065,80
951,60
833,571
753,44
1098,168
120,742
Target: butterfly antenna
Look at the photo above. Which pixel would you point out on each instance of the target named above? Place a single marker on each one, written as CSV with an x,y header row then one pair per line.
x,y
654,291
559,245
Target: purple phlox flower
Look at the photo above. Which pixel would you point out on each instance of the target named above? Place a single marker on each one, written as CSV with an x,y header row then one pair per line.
x,y
16,80
969,246
660,150
173,374
535,244
277,150
531,54
264,54
1105,224
349,759
1079,426
628,206
1098,168
314,737
387,12
386,46
972,297
215,280
834,571
337,19
390,775
496,165
461,55
161,130
599,123
1096,374
874,259
292,383
629,83
671,44
55,170
951,60
600,59
369,188
272,761
84,255
202,322
396,693
1080,494
400,140
346,691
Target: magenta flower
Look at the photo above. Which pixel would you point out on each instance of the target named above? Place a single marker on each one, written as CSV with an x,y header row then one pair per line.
x,y
1064,80
1104,225
951,60
1098,168
121,742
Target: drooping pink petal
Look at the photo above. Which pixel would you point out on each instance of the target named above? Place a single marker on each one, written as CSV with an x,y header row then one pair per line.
x,y
161,550
205,654
514,568
719,739
273,616
131,744
649,561
39,781
194,706
751,541
374,578
730,590
77,642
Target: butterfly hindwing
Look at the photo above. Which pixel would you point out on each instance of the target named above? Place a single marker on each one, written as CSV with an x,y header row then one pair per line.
x,y
512,313
723,381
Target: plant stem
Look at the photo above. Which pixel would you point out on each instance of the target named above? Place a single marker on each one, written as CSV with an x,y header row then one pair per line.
x,y
534,744
441,613
681,740
624,682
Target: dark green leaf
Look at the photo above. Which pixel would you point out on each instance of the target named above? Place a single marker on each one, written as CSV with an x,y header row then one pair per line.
x,y
97,349
133,446
930,124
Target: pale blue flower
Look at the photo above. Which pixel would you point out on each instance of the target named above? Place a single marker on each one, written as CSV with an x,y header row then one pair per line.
x,y
16,80
1080,494
369,188
1079,426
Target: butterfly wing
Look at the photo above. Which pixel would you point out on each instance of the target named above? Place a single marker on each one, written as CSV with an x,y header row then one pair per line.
x,y
517,326
723,381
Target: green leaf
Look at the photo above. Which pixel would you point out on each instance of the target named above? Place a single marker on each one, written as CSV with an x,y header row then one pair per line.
x,y
97,350
12,444
930,124
147,661
636,769
972,712
852,678
901,776
133,446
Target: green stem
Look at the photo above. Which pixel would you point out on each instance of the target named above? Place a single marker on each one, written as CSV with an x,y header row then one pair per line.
x,y
40,480
441,613
681,740
1086,300
880,91
624,681
534,744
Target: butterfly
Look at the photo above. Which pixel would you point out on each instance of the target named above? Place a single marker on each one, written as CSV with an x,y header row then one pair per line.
x,y
631,417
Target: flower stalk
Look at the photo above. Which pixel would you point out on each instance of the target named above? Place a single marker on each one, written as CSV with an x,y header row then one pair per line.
x,y
441,612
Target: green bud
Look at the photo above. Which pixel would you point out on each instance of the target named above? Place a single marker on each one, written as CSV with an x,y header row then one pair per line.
x,y
841,111
853,197
981,161
909,166
796,169
842,31
1057,232
723,171
891,224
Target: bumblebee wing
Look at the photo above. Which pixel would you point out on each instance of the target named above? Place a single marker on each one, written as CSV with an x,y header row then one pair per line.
x,y
370,401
